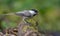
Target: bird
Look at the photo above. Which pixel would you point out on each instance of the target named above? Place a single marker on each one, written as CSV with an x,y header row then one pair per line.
x,y
24,13
27,14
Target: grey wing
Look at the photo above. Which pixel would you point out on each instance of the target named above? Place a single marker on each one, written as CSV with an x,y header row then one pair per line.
x,y
27,14
19,13
23,13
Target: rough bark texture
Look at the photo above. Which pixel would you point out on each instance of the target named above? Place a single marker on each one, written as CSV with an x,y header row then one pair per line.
x,y
25,29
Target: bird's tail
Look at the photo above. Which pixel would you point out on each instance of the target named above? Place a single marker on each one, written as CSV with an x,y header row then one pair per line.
x,y
8,14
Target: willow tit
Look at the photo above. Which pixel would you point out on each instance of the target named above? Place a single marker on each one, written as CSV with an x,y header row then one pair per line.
x,y
27,13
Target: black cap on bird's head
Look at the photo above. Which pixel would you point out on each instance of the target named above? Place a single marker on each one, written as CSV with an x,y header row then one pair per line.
x,y
36,11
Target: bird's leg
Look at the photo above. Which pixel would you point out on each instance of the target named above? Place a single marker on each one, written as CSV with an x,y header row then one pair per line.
x,y
25,19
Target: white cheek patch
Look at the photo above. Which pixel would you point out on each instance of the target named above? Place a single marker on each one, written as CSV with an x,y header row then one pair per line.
x,y
32,12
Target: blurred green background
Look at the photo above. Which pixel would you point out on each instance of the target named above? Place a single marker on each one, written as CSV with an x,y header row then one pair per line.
x,y
48,17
